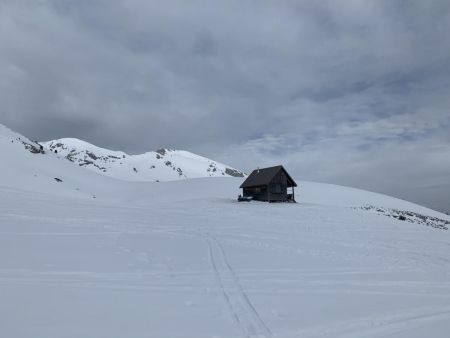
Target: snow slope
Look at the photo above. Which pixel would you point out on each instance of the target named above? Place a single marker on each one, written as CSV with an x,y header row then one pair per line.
x,y
160,165
184,259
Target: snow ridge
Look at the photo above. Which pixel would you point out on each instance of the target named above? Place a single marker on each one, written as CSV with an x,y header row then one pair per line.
x,y
160,165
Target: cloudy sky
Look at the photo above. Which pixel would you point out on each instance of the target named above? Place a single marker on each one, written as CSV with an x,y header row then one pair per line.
x,y
348,92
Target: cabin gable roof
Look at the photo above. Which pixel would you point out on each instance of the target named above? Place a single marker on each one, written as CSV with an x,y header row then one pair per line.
x,y
264,176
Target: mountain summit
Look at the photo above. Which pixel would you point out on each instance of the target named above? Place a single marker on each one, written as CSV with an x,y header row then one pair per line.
x,y
159,165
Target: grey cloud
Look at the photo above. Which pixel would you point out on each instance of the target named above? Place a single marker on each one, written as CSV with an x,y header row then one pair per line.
x,y
313,84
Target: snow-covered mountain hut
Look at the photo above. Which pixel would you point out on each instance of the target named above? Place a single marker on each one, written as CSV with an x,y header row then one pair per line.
x,y
269,184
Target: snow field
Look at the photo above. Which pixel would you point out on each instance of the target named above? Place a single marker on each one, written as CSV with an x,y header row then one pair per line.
x,y
184,259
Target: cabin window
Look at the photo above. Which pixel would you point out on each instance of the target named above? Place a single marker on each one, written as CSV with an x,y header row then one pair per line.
x,y
278,188
257,190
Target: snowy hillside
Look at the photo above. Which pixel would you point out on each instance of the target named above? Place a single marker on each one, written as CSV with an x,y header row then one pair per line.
x,y
160,165
91,256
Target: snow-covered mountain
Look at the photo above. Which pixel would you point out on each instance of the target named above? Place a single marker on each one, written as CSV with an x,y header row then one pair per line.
x,y
87,255
159,165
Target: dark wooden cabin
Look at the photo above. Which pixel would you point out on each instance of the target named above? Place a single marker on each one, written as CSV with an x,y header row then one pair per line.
x,y
269,184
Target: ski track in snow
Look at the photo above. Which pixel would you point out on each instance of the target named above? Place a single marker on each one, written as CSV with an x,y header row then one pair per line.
x,y
240,306
376,326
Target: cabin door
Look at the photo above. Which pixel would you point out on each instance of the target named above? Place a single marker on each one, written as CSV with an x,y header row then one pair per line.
x,y
283,182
